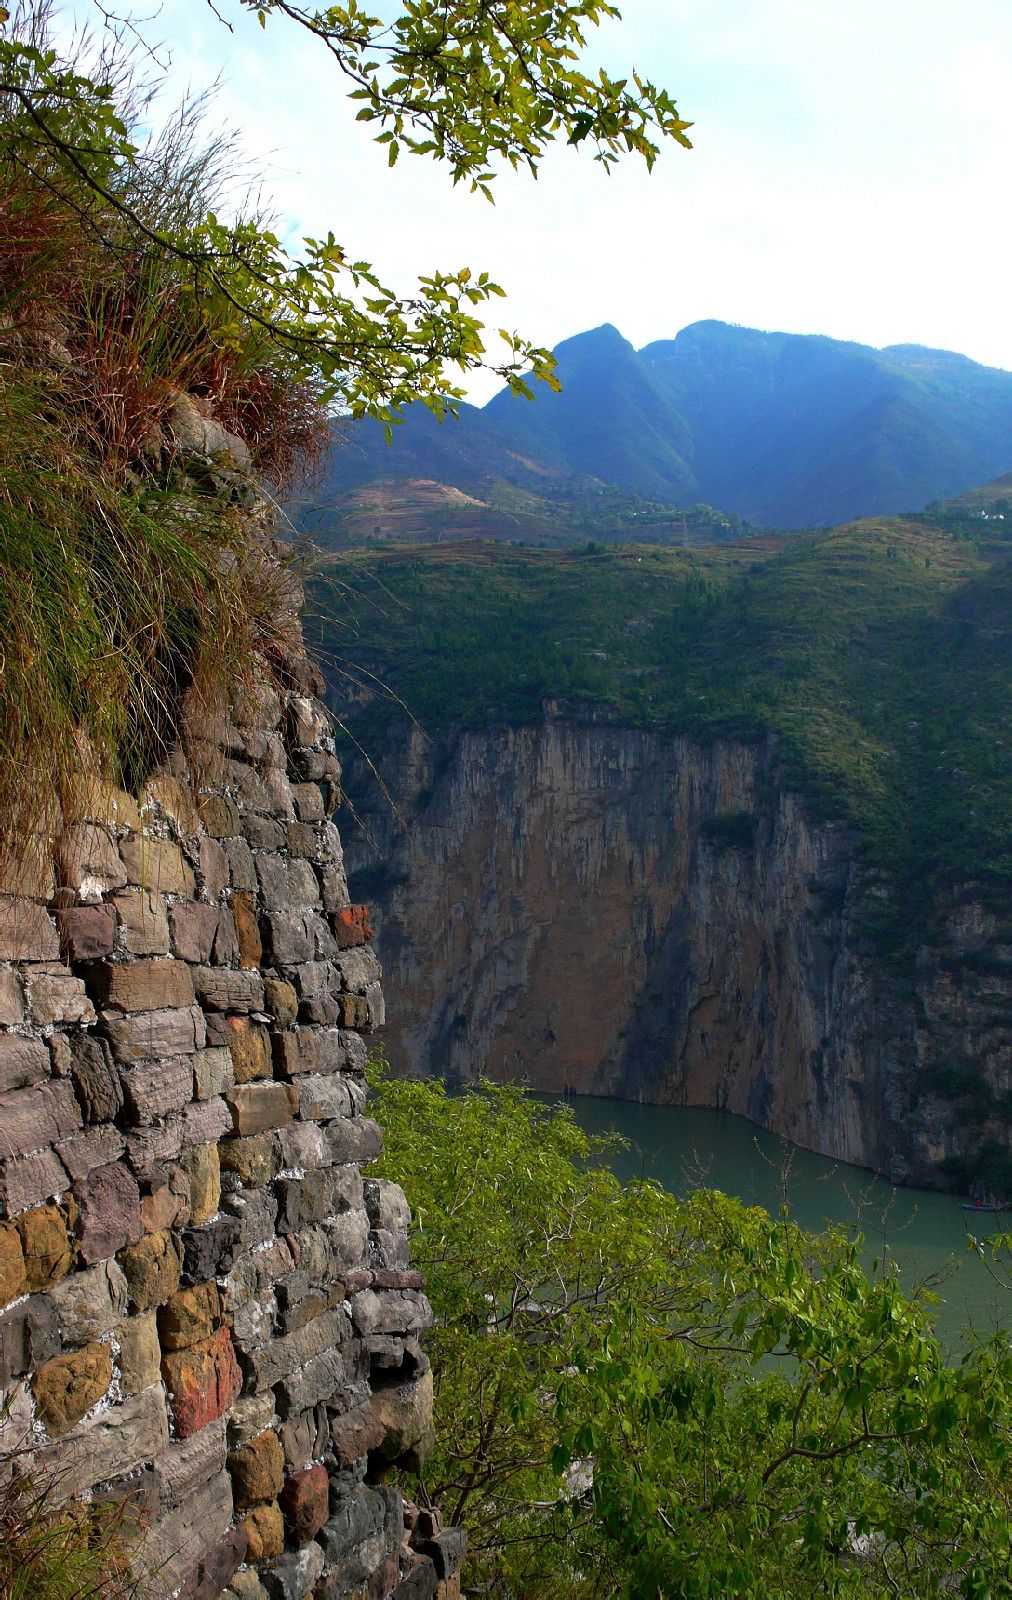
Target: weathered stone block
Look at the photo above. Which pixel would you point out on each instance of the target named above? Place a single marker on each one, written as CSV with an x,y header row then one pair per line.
x,y
240,865
178,1544
194,927
256,1211
12,1011
354,1434
37,1116
243,910
225,949
295,1574
13,1281
304,1438
348,1238
27,1180
376,1005
23,1062
351,926
89,1304
281,1001
254,1161
418,1583
152,1270
157,984
246,1585
265,1533
217,1567
390,1311
219,815
321,1098
253,1323
68,1386
87,933
153,1088
202,1382
316,766
254,1274
212,868
303,1146
88,861
257,1470
307,722
404,1411
139,1353
190,1316
202,1166
283,1356
294,1052
289,937
165,1197
333,886
321,1379
213,1073
155,1034
387,1205
95,1079
113,1442
108,1213
162,1142
27,932
358,1518
45,1245
56,996
250,1415
205,1121
168,797
210,1251
27,870
256,1107
263,833
187,1465
157,865
29,1336
308,802
143,924
250,1045
220,989
82,1152
355,1139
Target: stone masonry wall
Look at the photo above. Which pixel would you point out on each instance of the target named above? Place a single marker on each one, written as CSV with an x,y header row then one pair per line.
x,y
208,1304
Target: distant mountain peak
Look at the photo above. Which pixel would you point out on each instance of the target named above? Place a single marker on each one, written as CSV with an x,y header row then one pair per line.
x,y
784,430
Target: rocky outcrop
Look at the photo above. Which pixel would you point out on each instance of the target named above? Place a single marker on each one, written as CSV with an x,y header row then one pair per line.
x,y
615,912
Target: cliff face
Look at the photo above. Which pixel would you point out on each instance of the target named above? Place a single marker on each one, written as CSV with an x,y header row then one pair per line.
x,y
618,913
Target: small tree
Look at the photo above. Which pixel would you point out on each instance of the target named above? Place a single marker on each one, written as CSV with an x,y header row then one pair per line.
x,y
467,82
659,1399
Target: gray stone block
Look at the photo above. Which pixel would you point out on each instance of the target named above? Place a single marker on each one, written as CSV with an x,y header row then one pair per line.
x,y
151,1035
109,1444
89,1304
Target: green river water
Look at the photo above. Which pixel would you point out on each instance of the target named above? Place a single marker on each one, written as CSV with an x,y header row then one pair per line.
x,y
925,1233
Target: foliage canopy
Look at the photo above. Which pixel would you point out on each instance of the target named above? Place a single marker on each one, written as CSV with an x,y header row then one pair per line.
x,y
659,1399
466,83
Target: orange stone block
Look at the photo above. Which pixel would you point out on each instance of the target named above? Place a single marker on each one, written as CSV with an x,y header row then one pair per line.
x,y
203,1382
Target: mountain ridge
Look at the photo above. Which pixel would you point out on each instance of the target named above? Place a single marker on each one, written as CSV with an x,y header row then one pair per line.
x,y
780,429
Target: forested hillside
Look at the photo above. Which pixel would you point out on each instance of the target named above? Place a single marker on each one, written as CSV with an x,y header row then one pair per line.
x,y
878,655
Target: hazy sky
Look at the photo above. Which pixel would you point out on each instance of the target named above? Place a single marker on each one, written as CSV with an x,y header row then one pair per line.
x,y
850,174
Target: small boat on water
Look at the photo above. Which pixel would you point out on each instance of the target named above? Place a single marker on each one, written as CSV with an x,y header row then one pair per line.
x,y
985,1205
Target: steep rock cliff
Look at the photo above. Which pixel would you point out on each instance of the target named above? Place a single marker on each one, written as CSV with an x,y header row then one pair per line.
x,y
613,912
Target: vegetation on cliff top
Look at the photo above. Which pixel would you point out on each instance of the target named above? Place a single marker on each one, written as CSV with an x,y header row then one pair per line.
x,y
124,581
646,1398
877,655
